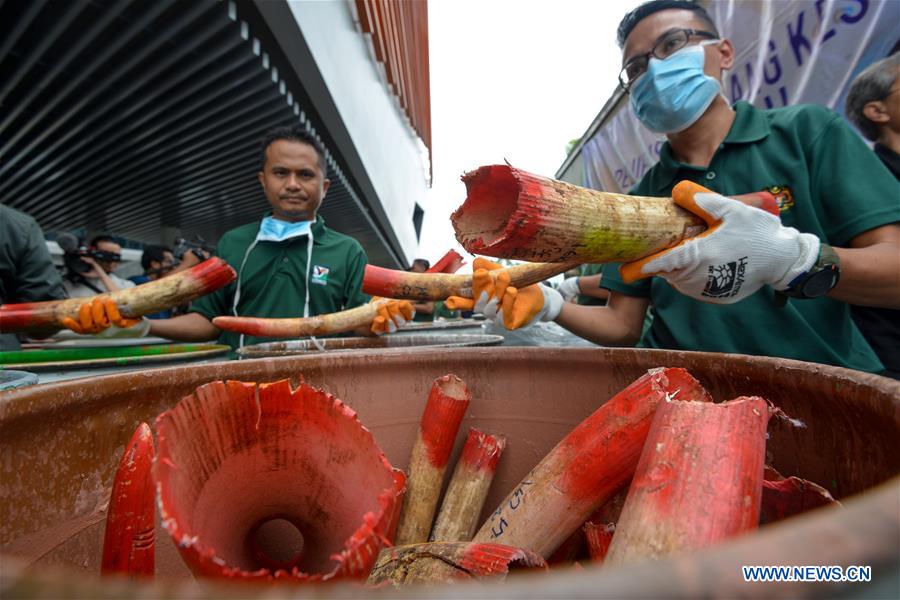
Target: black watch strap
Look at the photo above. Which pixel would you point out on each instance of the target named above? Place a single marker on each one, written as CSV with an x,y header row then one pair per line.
x,y
820,279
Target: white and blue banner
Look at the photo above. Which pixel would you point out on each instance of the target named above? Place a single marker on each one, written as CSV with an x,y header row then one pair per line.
x,y
787,52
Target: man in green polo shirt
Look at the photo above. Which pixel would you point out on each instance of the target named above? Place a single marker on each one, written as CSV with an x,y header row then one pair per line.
x,y
837,242
289,264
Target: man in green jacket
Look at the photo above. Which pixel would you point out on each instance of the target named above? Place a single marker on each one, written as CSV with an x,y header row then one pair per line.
x,y
289,264
756,284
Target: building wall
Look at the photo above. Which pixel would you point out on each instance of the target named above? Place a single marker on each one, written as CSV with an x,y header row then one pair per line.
x,y
381,133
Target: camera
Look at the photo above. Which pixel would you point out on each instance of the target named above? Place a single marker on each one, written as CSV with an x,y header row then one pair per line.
x,y
74,250
199,247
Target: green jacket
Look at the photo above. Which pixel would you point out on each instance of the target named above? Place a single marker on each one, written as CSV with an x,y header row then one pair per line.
x,y
27,273
838,189
273,279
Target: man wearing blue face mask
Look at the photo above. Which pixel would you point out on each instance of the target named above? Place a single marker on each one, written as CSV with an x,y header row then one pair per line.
x,y
289,264
754,283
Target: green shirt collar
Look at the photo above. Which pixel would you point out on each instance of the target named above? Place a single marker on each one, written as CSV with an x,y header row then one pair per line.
x,y
750,125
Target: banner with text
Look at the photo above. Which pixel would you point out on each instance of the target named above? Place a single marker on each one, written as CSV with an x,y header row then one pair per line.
x,y
797,52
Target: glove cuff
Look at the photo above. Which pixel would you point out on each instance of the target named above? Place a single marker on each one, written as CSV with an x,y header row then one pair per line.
x,y
553,303
808,254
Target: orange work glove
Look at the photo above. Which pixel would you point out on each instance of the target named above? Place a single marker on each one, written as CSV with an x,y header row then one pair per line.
x,y
393,315
506,305
97,315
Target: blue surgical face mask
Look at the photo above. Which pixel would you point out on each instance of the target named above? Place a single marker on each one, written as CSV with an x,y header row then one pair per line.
x,y
275,230
675,92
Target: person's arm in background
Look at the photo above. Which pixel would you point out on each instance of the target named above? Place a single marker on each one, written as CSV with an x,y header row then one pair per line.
x,y
619,323
425,308
856,190
583,285
108,283
870,269
192,327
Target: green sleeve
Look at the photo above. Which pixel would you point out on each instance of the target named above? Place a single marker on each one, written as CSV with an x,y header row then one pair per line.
x,y
356,269
37,279
612,281
856,192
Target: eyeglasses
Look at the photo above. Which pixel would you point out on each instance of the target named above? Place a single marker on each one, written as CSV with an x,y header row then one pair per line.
x,y
666,46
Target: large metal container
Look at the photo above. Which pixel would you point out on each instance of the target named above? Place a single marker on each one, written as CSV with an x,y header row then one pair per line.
x,y
60,444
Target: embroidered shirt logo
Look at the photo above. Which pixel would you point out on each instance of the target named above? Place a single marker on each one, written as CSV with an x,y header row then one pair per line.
x,y
783,196
320,275
724,281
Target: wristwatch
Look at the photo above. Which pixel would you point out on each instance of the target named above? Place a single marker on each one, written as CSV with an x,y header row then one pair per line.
x,y
820,279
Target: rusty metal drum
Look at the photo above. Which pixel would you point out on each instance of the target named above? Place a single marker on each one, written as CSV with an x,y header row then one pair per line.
x,y
60,444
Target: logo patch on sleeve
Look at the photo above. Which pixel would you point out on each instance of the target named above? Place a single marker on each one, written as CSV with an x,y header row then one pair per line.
x,y
320,275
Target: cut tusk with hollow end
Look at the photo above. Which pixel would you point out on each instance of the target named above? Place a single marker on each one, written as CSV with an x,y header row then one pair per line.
x,y
587,467
134,302
339,322
129,541
404,285
265,481
698,481
509,213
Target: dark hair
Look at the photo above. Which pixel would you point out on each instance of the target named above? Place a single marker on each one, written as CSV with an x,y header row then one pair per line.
x,y
292,134
422,261
630,21
103,238
871,85
153,253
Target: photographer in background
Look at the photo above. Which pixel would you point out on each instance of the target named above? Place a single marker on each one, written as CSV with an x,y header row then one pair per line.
x,y
27,274
101,259
157,261
161,261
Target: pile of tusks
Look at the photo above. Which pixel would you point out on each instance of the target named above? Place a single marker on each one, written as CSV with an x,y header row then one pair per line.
x,y
658,469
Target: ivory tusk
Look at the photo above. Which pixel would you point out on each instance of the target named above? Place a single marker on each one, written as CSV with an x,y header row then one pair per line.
x,y
447,403
698,481
130,538
422,287
339,322
138,301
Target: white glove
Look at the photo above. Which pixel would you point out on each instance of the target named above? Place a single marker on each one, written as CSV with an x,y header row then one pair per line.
x,y
569,288
744,249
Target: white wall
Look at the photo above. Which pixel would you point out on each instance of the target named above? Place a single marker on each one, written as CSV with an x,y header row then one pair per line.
x,y
379,129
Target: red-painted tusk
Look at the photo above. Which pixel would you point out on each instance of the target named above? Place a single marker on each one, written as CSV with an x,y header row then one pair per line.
x,y
258,481
129,541
134,302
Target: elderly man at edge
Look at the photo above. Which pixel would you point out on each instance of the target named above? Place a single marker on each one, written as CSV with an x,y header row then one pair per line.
x,y
873,105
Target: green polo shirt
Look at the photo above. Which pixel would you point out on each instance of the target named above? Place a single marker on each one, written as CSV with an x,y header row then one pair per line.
x,y
587,271
839,190
273,279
